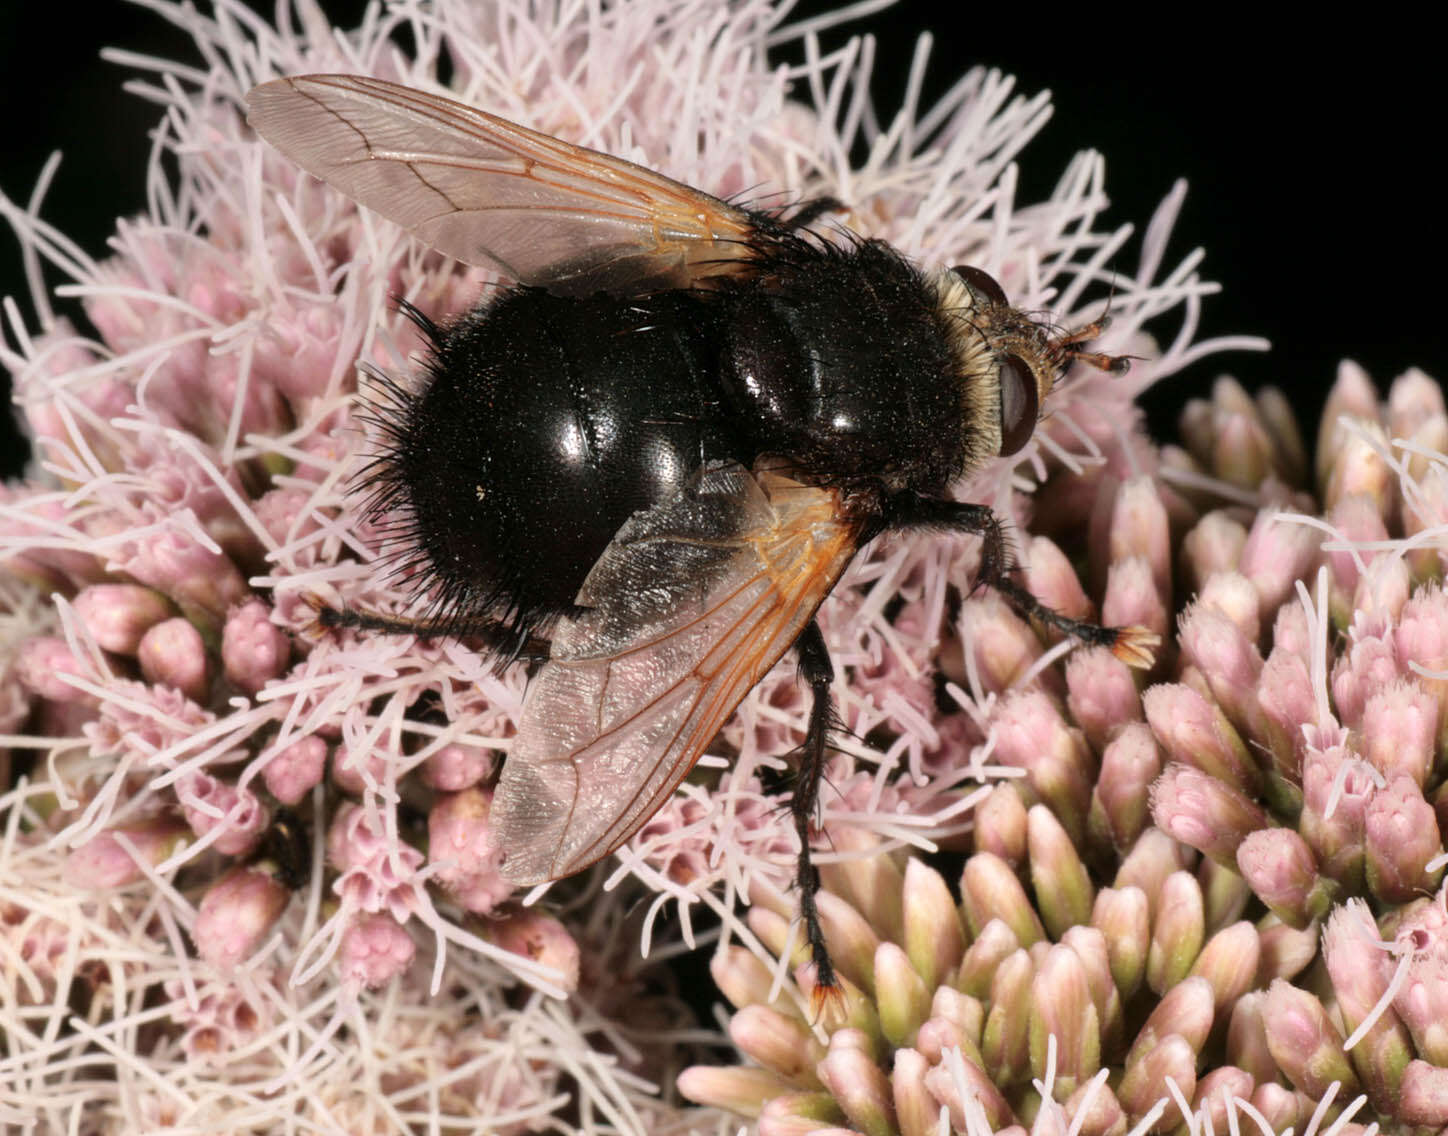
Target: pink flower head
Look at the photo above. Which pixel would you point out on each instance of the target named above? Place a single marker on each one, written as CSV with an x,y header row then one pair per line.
x,y
224,1019
461,844
211,806
294,770
375,949
377,873
253,649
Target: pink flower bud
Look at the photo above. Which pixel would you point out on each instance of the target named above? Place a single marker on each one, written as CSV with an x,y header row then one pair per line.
x,y
1240,446
1422,632
117,615
1203,812
989,890
202,583
172,653
1402,836
374,950
741,977
105,861
1185,1011
1304,1042
1279,866
1002,643
1334,811
916,1110
1422,999
1047,572
287,517
1123,917
1133,598
1228,661
1277,554
1139,528
236,914
961,1101
1288,703
1361,470
455,767
1214,545
1424,1095
1400,730
1360,970
1385,587
253,649
356,767
1291,633
1358,522
1217,1095
1000,825
1064,893
40,664
1233,595
742,1090
1145,1081
1195,732
1101,694
539,937
1119,802
460,842
1352,395
1413,398
933,937
1229,961
857,1082
1005,1044
1369,664
1031,735
1153,857
294,770
994,943
1062,1007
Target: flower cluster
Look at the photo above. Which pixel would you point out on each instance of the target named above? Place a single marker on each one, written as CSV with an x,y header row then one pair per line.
x,y
1218,896
249,874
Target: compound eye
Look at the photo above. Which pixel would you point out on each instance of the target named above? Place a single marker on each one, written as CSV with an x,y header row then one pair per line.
x,y
1020,404
981,282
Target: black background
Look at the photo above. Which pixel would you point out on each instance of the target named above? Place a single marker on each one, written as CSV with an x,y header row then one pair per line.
x,y
1312,155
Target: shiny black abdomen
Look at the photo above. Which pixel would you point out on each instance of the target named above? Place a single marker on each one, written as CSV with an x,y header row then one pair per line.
x,y
546,422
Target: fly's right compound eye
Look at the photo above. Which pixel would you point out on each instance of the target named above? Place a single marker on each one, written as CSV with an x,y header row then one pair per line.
x,y
1020,403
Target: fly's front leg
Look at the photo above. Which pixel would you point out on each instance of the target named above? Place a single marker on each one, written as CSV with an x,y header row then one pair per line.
x,y
816,669
1132,645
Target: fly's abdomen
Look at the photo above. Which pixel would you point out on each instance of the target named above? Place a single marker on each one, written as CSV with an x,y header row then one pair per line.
x,y
562,417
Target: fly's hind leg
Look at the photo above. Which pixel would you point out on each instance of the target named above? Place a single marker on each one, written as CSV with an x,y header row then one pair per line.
x,y
815,669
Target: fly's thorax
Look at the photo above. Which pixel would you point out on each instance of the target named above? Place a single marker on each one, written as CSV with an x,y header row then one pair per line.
x,y
837,360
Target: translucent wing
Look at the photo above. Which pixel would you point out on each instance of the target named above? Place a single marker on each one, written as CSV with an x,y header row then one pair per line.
x,y
487,191
692,603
